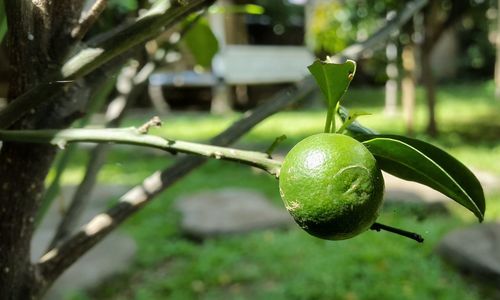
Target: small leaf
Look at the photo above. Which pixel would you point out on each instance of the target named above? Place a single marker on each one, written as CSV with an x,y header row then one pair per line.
x,y
415,160
350,119
355,128
333,79
275,144
201,42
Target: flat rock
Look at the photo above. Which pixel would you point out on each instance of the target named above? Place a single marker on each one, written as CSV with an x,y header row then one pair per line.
x,y
475,249
228,211
111,256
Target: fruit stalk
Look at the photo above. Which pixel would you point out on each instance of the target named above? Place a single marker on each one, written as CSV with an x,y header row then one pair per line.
x,y
411,235
330,121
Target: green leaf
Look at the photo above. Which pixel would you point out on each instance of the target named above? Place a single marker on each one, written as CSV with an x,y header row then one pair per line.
x,y
415,160
354,127
250,9
333,79
201,42
3,21
350,119
125,5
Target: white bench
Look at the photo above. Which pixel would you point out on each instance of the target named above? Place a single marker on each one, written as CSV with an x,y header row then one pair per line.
x,y
248,65
239,65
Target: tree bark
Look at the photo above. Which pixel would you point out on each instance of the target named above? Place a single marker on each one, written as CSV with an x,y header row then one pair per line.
x,y
430,89
391,85
436,21
497,60
408,88
23,167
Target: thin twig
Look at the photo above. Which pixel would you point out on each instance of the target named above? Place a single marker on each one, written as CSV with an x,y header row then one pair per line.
x,y
411,235
134,136
275,144
42,93
88,19
354,51
153,122
145,28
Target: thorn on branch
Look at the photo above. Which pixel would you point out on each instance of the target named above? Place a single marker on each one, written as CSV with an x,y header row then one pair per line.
x,y
154,122
273,146
411,235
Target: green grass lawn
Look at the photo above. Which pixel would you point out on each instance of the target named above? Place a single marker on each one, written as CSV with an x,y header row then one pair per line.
x,y
289,264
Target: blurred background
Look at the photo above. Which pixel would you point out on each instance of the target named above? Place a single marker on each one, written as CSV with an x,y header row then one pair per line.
x,y
222,232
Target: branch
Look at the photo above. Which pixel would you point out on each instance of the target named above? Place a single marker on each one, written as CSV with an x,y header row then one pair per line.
x,y
29,100
55,261
134,136
88,19
145,28
354,51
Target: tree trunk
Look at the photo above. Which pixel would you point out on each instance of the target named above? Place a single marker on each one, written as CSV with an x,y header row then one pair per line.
x,y
34,50
430,89
391,85
497,61
436,21
408,88
432,26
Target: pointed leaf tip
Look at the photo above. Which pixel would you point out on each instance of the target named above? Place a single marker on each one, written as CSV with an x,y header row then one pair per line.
x,y
333,78
418,161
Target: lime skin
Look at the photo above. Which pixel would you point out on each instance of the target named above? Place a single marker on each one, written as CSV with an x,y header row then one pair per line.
x,y
331,185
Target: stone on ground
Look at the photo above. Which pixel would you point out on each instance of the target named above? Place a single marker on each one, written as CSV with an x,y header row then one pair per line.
x,y
475,250
228,211
111,256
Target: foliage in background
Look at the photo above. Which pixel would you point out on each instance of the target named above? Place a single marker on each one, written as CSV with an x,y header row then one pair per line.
x,y
201,42
3,21
476,34
336,24
282,13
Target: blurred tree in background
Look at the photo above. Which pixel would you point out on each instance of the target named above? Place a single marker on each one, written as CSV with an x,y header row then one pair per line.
x,y
335,24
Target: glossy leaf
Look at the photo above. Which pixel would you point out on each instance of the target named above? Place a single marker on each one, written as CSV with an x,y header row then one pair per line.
x,y
354,127
418,161
333,79
350,119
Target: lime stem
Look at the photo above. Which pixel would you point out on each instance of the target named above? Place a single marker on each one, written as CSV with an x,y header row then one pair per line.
x,y
329,118
411,235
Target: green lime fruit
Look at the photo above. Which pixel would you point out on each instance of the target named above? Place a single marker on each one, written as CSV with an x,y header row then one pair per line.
x,y
332,186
